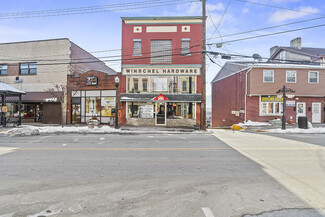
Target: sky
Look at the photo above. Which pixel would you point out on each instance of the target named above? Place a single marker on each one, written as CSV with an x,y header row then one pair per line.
x,y
102,31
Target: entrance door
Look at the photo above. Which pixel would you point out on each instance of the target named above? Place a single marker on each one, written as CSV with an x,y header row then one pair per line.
x,y
161,114
301,109
316,112
76,113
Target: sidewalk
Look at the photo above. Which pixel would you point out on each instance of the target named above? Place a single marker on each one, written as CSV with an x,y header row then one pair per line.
x,y
44,129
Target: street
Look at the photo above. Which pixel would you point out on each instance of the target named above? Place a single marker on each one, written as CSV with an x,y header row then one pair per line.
x,y
222,173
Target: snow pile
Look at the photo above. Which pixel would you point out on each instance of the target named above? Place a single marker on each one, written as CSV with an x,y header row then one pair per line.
x,y
252,123
33,130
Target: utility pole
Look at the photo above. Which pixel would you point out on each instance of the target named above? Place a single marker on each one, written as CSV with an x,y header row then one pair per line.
x,y
203,71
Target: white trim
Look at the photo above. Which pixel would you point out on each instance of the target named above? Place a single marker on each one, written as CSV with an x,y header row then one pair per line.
x,y
245,94
309,77
287,76
272,76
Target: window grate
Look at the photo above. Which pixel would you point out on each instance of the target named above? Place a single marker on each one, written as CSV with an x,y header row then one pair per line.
x,y
161,51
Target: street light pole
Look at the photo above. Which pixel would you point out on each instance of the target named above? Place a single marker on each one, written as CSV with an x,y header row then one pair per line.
x,y
283,90
117,81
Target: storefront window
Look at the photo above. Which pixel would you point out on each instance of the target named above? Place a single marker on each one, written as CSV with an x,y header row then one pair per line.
x,y
92,106
108,103
180,110
141,110
271,105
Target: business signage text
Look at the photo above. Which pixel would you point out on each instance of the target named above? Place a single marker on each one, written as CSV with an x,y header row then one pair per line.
x,y
161,71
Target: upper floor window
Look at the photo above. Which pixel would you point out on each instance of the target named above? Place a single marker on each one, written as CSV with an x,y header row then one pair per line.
x,y
161,51
291,77
28,68
313,77
145,84
3,69
136,47
268,76
186,46
136,84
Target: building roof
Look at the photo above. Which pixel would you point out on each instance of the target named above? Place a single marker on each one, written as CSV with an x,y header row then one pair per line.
x,y
8,90
306,51
162,18
139,97
55,39
229,68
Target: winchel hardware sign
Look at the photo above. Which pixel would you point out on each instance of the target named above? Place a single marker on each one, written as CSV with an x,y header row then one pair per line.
x,y
161,71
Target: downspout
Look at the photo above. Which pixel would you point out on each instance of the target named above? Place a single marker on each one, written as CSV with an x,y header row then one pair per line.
x,y
246,94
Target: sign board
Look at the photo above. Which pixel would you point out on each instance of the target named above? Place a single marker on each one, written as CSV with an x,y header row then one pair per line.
x,y
91,80
290,103
146,111
4,109
51,99
107,104
161,71
160,98
271,99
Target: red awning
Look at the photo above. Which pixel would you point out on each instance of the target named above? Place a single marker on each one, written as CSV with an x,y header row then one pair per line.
x,y
160,98
39,97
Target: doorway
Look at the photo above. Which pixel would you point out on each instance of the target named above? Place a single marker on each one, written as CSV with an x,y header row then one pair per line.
x,y
316,112
301,109
161,114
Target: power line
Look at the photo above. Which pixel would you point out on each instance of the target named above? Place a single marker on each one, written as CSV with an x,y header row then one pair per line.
x,y
282,8
270,34
147,5
270,27
220,19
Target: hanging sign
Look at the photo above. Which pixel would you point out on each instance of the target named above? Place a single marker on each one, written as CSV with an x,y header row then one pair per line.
x,y
160,98
91,80
290,103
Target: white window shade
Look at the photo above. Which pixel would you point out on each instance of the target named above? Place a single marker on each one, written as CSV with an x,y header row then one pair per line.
x,y
161,51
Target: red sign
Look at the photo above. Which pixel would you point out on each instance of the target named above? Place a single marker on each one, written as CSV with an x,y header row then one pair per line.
x,y
160,98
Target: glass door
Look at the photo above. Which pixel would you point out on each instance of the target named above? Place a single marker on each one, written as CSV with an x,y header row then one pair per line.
x,y
76,113
161,114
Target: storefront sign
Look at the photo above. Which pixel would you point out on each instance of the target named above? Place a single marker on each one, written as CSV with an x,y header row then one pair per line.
x,y
290,103
4,109
160,98
271,99
107,104
51,99
91,80
161,71
146,111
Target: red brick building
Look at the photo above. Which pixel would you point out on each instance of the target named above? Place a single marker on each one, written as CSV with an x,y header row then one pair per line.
x,y
242,92
161,71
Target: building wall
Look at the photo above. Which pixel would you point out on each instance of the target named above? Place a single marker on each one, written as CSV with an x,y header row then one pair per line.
x,y
228,100
291,112
302,87
47,75
77,83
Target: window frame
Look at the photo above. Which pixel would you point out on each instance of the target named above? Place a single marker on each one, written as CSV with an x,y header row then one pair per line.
x,y
1,70
188,49
28,68
295,76
134,42
264,76
159,55
309,77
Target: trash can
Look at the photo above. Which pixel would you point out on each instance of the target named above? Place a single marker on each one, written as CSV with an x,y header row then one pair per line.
x,y
196,127
303,122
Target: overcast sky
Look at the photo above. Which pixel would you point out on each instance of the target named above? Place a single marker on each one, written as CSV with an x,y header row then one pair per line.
x,y
102,31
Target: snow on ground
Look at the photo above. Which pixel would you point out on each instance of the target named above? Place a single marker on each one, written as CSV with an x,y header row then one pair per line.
x,y
35,130
252,123
298,130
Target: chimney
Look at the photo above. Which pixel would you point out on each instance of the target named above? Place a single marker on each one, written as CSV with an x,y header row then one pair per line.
x,y
273,49
296,43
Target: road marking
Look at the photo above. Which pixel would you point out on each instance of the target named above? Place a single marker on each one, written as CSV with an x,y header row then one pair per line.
x,y
35,141
101,138
44,137
207,212
64,144
150,136
170,149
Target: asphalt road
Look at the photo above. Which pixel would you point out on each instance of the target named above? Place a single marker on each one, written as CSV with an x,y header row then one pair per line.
x,y
185,175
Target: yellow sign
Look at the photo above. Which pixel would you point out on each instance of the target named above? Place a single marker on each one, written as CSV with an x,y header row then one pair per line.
x,y
4,109
271,99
